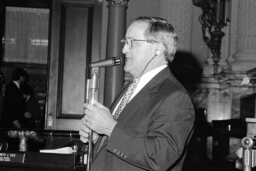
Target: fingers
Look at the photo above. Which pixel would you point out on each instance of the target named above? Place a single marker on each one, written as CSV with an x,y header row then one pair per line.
x,y
90,111
83,135
87,112
84,131
99,105
94,106
88,108
83,139
86,121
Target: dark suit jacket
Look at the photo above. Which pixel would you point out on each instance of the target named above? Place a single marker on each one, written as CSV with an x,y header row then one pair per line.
x,y
152,130
13,107
33,107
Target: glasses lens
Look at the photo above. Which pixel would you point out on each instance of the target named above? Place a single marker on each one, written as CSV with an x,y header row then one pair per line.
x,y
126,42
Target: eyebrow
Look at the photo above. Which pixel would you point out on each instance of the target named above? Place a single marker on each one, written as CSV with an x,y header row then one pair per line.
x,y
128,37
135,38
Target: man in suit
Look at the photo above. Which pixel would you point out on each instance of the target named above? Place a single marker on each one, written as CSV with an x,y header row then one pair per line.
x,y
153,128
14,104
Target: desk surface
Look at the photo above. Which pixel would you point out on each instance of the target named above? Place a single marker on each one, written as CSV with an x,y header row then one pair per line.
x,y
39,161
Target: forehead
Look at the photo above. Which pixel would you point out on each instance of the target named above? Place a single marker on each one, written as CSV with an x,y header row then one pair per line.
x,y
137,30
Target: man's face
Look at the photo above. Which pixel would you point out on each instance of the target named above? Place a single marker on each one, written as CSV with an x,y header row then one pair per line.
x,y
138,53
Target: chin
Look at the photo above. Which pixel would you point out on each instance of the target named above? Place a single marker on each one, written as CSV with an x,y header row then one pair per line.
x,y
127,69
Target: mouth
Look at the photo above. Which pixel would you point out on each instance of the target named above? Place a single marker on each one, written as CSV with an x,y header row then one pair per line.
x,y
128,59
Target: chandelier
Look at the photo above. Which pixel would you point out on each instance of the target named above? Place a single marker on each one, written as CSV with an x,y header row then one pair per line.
x,y
215,15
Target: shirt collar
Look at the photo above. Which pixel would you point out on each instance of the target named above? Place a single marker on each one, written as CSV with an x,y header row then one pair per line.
x,y
149,75
145,78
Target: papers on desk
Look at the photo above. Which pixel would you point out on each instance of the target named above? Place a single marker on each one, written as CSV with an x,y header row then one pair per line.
x,y
12,157
64,150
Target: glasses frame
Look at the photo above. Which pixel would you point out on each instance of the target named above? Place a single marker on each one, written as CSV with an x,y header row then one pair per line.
x,y
129,42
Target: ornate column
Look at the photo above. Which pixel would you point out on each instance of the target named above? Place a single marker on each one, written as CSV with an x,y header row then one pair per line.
x,y
245,35
114,76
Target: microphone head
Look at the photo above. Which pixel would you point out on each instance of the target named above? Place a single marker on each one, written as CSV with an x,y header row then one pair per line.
x,y
108,62
117,60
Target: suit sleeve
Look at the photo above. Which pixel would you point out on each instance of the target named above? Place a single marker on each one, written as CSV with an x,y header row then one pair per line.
x,y
167,134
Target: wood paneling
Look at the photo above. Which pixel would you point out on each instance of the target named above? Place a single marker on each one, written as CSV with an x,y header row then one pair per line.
x,y
74,40
73,37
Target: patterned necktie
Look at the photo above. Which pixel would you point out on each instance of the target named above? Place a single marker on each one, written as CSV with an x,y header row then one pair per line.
x,y
125,100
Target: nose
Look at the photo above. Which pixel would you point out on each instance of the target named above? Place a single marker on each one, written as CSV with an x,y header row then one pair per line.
x,y
125,48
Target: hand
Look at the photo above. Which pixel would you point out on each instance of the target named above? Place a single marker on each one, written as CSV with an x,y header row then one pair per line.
x,y
98,118
84,133
27,115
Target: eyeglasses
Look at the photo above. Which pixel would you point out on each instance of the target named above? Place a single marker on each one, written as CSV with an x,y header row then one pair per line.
x,y
129,42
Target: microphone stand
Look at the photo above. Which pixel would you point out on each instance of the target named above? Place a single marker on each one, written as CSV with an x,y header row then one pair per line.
x,y
92,88
91,97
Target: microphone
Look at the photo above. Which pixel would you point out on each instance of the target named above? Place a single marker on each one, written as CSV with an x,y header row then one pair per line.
x,y
108,62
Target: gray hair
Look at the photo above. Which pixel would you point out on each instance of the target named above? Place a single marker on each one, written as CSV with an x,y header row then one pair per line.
x,y
162,31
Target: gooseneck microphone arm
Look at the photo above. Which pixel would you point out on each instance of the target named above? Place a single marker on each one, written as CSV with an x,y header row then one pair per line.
x,y
106,63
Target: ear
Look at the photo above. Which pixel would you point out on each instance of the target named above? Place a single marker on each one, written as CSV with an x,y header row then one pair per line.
x,y
157,52
159,49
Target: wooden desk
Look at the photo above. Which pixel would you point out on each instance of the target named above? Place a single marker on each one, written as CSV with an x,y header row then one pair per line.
x,y
39,162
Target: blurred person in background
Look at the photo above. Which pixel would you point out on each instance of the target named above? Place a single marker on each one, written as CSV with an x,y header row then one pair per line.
x,y
33,113
13,103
